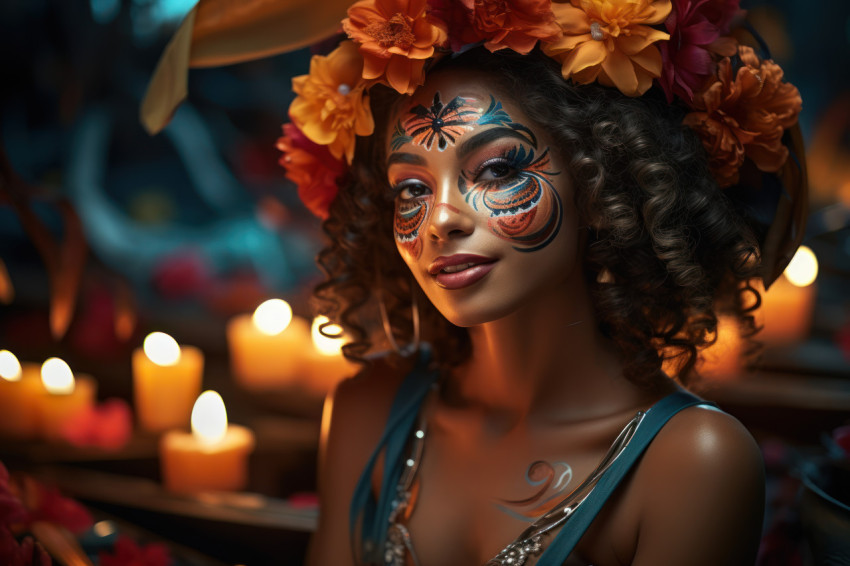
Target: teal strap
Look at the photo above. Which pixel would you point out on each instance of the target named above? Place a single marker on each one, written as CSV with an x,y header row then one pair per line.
x,y
656,417
374,516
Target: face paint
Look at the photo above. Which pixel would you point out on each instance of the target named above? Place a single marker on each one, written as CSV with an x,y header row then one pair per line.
x,y
523,204
443,123
550,482
471,175
410,216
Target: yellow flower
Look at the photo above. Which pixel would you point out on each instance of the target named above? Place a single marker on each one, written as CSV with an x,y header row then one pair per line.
x,y
610,41
332,106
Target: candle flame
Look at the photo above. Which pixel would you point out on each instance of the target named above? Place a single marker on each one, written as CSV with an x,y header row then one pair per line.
x,y
272,316
325,345
209,418
57,377
10,367
162,349
802,270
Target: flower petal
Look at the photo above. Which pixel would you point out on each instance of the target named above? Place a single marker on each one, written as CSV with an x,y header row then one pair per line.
x,y
588,54
620,70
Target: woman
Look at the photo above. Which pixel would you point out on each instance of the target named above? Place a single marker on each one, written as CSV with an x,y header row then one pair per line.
x,y
544,207
547,257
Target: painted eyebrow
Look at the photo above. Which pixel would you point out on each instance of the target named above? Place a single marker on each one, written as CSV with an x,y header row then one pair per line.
x,y
487,136
405,158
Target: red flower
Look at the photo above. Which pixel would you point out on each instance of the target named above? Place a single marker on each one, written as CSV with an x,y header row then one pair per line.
x,y
743,114
49,505
841,436
312,168
27,553
11,509
182,274
108,426
695,28
514,24
127,553
457,14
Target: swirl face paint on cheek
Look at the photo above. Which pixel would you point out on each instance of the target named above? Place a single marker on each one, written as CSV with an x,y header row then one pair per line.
x,y
524,208
410,216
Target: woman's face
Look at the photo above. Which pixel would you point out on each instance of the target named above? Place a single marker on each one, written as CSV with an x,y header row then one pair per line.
x,y
484,214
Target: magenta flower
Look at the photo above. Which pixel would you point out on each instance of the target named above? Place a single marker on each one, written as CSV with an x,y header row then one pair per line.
x,y
697,29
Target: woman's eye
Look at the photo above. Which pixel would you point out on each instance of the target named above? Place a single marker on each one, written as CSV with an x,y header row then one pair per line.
x,y
495,171
410,190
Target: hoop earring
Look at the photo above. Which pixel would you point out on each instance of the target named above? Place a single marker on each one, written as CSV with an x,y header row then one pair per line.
x,y
413,346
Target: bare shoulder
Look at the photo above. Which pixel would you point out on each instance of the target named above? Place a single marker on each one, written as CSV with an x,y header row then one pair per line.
x,y
368,395
703,438
701,491
354,417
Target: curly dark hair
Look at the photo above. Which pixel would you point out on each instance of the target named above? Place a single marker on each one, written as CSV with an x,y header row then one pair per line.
x,y
666,248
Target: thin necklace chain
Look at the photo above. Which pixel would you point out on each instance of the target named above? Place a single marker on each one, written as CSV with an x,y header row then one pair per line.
x,y
531,541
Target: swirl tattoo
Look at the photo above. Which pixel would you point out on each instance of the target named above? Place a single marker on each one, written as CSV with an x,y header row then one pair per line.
x,y
551,481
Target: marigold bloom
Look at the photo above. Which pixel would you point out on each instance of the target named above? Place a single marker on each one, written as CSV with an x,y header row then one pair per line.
x,y
610,41
515,24
744,114
312,168
332,106
695,28
396,38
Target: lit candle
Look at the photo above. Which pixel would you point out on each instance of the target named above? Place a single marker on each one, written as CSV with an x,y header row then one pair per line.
x,y
214,457
20,393
63,398
166,381
266,348
786,311
325,365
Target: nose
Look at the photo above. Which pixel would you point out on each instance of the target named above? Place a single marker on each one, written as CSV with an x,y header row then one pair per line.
x,y
451,217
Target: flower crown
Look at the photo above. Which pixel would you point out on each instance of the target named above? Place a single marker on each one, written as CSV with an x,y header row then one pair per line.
x,y
738,104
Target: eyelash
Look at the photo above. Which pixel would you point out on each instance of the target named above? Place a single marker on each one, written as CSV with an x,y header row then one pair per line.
x,y
504,158
402,186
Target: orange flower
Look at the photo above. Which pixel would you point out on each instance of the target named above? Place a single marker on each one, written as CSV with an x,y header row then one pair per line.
x,y
332,106
744,114
610,41
396,38
312,168
515,24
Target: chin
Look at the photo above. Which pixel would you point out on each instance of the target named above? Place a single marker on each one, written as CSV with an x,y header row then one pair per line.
x,y
465,313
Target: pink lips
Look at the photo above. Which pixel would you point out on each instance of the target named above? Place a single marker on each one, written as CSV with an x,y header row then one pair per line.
x,y
477,267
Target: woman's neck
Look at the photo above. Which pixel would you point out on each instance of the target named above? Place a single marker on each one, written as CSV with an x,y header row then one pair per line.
x,y
547,361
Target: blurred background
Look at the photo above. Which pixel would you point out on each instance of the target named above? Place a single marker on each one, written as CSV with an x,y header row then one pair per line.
x,y
108,234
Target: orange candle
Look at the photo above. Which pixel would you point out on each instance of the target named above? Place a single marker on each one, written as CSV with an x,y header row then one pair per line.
x,y
214,457
166,381
20,394
64,397
266,348
324,365
786,311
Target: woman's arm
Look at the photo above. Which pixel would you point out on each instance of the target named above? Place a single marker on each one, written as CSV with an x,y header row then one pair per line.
x,y
352,423
701,490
